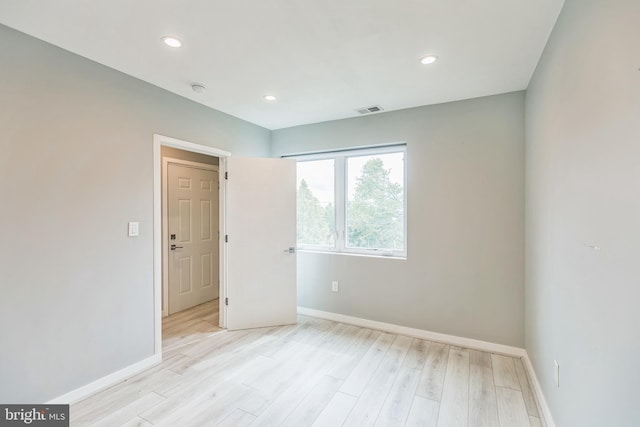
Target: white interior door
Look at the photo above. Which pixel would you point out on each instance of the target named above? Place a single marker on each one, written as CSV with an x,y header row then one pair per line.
x,y
193,236
261,229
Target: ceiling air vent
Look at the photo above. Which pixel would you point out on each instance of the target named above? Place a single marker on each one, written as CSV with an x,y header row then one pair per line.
x,y
369,110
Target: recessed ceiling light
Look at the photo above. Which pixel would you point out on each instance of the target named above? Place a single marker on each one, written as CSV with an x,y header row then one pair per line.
x,y
429,59
171,41
270,97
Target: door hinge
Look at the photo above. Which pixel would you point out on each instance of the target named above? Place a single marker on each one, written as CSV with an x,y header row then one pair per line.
x,y
226,175
226,301
226,238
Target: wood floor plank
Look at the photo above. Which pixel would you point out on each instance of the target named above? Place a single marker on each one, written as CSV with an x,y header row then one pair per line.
x,y
284,336
454,407
525,387
504,372
423,413
255,403
285,372
105,403
220,342
417,355
192,387
191,382
433,372
360,376
179,363
237,418
308,332
187,325
480,358
483,410
255,367
217,409
373,396
230,360
130,411
287,385
347,337
137,422
355,351
396,407
100,406
197,331
198,408
283,405
339,335
336,411
228,355
314,403
511,409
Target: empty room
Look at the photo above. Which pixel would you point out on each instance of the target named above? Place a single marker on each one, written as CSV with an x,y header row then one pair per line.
x,y
331,213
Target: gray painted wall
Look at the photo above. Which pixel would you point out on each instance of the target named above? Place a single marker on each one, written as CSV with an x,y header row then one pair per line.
x,y
583,189
75,166
464,274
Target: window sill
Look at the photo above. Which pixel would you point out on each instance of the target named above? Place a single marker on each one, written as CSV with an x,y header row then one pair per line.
x,y
355,254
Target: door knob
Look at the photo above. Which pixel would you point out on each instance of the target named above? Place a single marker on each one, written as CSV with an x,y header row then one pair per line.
x,y
174,247
291,250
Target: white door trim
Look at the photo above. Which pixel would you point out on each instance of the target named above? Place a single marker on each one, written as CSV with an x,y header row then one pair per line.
x,y
166,161
158,142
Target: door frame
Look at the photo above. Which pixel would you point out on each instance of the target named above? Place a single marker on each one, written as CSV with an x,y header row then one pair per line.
x,y
160,141
166,161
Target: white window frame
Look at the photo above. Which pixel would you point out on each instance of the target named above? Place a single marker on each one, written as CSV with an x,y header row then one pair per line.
x,y
340,195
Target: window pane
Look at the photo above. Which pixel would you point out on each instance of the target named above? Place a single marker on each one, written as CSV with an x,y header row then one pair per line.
x,y
375,202
316,203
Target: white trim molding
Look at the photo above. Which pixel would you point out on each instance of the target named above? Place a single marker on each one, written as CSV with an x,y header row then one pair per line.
x,y
490,347
543,407
416,333
106,381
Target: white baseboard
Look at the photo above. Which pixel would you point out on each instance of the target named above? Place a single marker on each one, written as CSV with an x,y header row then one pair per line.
x,y
416,333
543,407
446,339
102,383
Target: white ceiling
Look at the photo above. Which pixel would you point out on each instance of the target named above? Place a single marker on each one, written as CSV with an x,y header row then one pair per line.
x,y
322,59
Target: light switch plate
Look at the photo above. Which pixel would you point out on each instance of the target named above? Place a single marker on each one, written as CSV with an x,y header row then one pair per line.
x,y
134,229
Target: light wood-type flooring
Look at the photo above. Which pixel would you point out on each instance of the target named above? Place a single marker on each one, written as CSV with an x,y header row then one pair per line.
x,y
190,325
315,373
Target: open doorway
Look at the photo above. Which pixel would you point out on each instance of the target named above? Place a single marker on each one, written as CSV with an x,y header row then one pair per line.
x,y
257,254
191,247
188,252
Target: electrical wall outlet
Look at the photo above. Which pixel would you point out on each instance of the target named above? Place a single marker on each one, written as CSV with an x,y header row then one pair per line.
x,y
334,286
556,372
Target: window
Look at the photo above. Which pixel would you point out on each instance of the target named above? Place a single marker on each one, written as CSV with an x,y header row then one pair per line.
x,y
353,201
316,203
